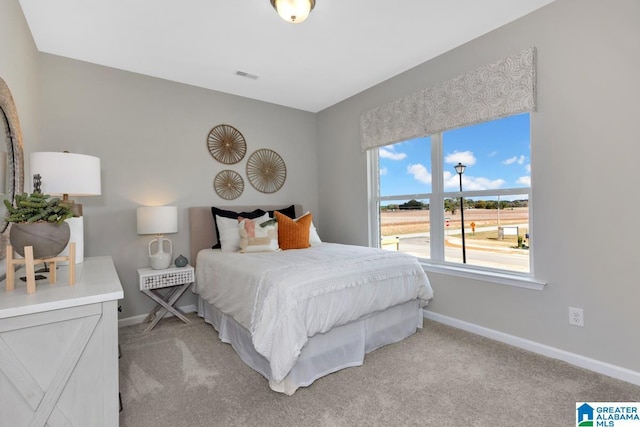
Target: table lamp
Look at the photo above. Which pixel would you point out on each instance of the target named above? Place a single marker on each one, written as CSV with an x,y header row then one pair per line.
x,y
158,220
68,174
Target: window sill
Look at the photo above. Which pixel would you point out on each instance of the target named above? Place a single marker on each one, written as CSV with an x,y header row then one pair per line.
x,y
502,278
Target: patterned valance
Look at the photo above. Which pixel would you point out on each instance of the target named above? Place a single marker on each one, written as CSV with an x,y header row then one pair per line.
x,y
497,90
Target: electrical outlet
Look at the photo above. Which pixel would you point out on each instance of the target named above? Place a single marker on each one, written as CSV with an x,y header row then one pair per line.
x,y
576,316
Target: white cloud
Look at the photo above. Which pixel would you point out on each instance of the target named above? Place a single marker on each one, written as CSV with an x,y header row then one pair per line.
x,y
515,159
525,180
484,183
420,173
385,153
383,171
465,157
470,183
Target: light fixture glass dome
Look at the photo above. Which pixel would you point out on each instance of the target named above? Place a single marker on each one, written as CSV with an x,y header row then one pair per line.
x,y
294,11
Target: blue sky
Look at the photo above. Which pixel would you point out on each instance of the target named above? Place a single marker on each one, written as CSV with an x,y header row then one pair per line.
x,y
496,153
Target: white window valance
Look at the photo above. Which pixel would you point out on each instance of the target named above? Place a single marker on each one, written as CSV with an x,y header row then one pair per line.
x,y
503,88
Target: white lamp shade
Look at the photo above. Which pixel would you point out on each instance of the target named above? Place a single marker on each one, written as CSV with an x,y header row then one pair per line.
x,y
157,219
67,173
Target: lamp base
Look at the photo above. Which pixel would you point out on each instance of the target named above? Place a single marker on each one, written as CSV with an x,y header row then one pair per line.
x,y
76,235
160,260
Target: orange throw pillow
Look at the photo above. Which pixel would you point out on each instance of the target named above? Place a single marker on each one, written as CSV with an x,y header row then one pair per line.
x,y
293,234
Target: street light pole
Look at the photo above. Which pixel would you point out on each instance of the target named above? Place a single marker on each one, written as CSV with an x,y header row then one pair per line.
x,y
460,170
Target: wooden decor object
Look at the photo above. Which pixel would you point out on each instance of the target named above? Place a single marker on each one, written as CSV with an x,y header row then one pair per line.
x,y
226,144
29,261
228,184
266,170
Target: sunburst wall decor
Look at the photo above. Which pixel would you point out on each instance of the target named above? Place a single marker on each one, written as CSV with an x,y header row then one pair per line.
x,y
266,170
226,144
228,184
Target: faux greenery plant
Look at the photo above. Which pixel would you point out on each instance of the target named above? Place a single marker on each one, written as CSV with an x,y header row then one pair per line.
x,y
37,207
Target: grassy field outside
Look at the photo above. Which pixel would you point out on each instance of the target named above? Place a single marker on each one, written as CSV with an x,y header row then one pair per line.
x,y
398,223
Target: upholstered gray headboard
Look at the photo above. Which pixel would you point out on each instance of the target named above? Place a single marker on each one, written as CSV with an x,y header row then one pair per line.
x,y
202,231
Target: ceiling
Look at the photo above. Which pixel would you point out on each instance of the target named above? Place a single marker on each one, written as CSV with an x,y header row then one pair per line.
x,y
343,48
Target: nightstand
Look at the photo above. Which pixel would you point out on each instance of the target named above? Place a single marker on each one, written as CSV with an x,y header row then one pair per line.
x,y
176,279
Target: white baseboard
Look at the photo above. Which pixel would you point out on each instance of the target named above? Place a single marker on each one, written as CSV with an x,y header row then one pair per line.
x,y
604,368
134,320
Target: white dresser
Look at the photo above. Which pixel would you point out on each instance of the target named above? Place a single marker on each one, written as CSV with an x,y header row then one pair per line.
x,y
59,349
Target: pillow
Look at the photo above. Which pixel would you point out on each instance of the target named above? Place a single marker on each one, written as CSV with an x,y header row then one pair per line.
x,y
234,215
228,232
293,234
256,236
290,211
228,237
313,233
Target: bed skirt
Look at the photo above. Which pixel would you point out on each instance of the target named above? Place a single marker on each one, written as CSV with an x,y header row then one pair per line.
x,y
342,347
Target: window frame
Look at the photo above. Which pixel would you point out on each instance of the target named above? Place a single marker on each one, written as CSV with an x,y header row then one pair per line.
x,y
436,263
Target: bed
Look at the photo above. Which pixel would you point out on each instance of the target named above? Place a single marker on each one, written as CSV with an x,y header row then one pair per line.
x,y
297,315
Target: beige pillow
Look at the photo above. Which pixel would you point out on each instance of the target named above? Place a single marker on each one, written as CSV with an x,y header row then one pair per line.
x,y
258,235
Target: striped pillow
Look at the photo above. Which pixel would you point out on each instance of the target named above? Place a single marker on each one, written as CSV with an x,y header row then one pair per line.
x,y
293,234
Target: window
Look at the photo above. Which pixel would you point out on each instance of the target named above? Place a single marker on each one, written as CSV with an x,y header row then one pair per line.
x,y
417,197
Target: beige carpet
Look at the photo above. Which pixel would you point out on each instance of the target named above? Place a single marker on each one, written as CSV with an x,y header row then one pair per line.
x,y
182,375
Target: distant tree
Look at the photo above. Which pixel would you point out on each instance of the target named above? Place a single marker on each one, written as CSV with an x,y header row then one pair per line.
x,y
412,204
450,205
389,207
480,204
490,204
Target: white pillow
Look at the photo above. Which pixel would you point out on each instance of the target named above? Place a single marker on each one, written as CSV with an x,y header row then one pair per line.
x,y
256,237
313,233
228,234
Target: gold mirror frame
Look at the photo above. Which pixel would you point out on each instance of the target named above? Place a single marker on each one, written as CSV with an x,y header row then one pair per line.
x,y
15,158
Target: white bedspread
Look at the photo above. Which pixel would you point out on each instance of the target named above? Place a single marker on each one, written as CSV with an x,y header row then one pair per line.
x,y
283,298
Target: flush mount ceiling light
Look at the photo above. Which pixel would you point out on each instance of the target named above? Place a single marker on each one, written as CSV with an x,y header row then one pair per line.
x,y
294,11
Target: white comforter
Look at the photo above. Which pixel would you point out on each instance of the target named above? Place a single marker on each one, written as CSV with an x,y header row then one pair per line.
x,y
283,298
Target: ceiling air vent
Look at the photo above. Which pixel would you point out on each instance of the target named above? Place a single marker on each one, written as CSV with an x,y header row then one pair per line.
x,y
247,75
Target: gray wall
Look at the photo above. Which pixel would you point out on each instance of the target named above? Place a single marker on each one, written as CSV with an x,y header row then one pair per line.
x,y
584,145
150,135
18,65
